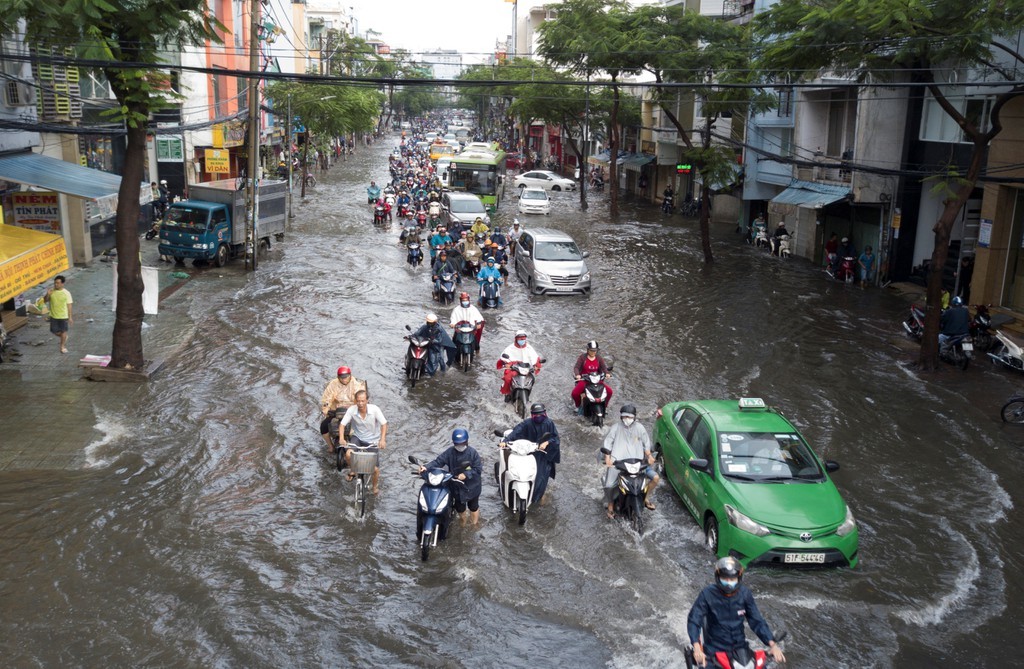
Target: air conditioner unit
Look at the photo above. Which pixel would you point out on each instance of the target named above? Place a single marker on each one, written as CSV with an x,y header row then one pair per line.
x,y
18,94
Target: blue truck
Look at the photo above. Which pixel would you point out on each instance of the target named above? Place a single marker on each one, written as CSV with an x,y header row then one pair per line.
x,y
210,225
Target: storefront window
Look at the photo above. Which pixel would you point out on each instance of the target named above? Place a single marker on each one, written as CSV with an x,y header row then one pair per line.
x,y
1013,296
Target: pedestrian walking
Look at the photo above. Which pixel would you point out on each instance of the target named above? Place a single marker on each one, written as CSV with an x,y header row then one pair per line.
x,y
59,299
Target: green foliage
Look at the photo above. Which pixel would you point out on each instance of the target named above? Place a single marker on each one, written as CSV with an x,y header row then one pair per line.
x,y
328,110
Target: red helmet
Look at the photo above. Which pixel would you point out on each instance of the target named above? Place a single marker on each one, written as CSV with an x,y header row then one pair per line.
x,y
463,296
344,371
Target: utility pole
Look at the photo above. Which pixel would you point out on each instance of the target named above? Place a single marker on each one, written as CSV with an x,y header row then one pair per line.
x,y
252,183
288,155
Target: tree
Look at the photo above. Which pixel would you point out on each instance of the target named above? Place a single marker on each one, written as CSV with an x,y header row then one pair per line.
x,y
677,44
591,36
121,34
887,40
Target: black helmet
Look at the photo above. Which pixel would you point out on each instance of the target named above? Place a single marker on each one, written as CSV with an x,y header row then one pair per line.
x,y
537,407
728,567
628,410
592,345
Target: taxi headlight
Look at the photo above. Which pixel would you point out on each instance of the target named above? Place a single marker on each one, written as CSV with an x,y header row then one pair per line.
x,y
849,525
746,524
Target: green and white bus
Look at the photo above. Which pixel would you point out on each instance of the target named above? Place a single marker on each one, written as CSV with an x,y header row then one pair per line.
x,y
481,173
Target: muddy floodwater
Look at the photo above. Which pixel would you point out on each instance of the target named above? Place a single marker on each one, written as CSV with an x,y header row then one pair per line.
x,y
209,530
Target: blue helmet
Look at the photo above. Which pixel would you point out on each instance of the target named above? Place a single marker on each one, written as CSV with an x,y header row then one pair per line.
x,y
956,301
460,436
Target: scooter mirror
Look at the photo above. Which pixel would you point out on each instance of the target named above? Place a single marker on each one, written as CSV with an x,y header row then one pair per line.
x,y
408,328
413,460
542,360
606,451
499,433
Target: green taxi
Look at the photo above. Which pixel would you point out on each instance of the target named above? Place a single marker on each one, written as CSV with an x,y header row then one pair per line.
x,y
754,485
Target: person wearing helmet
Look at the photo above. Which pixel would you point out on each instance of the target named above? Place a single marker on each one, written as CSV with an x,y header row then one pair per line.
x,y
500,258
479,228
498,237
338,396
589,363
780,232
720,612
954,322
467,312
518,351
439,239
846,250
514,233
541,430
488,271
440,350
626,440
443,265
465,465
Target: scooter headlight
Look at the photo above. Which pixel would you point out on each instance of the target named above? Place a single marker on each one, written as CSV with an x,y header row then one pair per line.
x,y
849,525
423,502
435,478
746,524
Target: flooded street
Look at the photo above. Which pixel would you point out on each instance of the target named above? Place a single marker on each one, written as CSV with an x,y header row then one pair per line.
x,y
211,530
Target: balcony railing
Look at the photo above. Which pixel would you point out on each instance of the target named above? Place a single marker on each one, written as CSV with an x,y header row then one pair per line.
x,y
831,171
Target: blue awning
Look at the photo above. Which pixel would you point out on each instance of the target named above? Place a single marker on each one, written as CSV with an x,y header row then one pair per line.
x,y
810,194
41,171
636,161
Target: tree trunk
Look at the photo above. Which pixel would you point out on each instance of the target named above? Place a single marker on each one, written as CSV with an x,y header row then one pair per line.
x,y
126,346
705,224
579,161
613,154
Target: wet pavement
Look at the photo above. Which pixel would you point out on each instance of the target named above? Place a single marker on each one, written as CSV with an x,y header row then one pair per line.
x,y
195,521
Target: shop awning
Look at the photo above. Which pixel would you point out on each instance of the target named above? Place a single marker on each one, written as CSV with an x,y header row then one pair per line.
x,y
599,158
34,169
810,194
635,162
28,258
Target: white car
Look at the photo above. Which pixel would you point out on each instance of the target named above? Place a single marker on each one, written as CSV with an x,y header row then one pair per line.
x,y
544,179
534,201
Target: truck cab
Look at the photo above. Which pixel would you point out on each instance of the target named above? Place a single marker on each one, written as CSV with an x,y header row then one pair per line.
x,y
197,230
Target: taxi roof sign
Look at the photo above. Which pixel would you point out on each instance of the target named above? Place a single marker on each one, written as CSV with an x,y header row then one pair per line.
x,y
751,403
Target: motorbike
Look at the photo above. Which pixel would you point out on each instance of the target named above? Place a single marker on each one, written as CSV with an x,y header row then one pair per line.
x,y
415,358
784,243
914,324
597,185
372,195
1013,409
845,271
465,344
668,204
490,295
414,255
434,509
379,214
958,350
516,473
632,487
403,210
154,230
472,264
739,658
760,231
446,291
594,402
522,386
981,328
1009,351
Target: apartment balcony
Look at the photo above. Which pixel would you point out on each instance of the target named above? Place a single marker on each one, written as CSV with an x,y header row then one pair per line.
x,y
831,171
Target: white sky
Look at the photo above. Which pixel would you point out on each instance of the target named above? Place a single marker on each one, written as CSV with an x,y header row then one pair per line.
x,y
470,27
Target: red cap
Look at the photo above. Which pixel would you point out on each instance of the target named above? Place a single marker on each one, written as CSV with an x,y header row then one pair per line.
x,y
344,370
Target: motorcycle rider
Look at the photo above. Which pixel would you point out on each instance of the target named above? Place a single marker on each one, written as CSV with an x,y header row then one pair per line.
x,y
514,233
368,427
466,311
780,231
720,611
443,265
440,238
588,363
500,257
954,322
440,343
518,351
464,463
846,250
338,396
372,193
627,439
478,228
668,196
538,426
485,273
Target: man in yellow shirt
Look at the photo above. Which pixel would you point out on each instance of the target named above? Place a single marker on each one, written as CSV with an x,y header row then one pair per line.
x,y
60,311
339,395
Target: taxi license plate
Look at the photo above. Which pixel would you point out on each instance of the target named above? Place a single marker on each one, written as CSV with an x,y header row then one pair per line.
x,y
805,558
563,289
967,346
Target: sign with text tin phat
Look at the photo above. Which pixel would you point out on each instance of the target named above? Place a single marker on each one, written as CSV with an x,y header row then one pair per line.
x,y
37,211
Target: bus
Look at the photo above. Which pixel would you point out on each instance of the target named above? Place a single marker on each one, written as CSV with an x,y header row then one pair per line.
x,y
481,173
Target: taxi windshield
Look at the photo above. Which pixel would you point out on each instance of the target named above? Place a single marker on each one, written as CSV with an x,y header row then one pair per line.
x,y
767,456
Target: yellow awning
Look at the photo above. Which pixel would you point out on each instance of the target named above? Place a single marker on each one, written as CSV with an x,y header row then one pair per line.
x,y
28,258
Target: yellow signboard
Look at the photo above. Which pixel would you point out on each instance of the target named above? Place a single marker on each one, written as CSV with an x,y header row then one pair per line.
x,y
218,161
27,259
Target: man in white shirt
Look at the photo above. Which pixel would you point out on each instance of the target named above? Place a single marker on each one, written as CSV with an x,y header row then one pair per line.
x,y
519,351
369,427
466,311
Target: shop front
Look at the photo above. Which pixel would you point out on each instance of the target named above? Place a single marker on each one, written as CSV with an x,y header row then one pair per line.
x,y
27,259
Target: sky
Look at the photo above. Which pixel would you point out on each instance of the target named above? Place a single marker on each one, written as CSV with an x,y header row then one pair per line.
x,y
470,27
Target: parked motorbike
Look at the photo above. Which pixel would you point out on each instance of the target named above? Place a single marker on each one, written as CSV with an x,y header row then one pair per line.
x,y
516,473
668,204
958,350
490,294
465,344
415,358
434,509
632,491
594,402
1009,351
740,658
446,291
522,386
154,230
981,328
914,324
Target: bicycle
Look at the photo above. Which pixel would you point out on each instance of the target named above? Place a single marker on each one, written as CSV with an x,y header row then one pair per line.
x,y
310,180
363,463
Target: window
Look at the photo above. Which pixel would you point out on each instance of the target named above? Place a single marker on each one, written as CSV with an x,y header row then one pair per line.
x,y
700,441
786,142
785,102
220,93
218,217
684,420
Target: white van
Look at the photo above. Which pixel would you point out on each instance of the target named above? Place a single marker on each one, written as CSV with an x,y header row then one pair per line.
x,y
442,169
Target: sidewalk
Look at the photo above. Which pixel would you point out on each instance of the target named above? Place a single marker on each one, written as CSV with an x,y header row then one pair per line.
x,y
47,408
